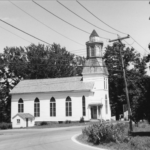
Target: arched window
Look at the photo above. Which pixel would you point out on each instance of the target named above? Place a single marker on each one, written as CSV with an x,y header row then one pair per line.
x,y
106,104
36,108
20,106
68,106
83,106
52,107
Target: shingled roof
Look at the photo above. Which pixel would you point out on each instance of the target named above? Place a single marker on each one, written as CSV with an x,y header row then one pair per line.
x,y
51,85
24,116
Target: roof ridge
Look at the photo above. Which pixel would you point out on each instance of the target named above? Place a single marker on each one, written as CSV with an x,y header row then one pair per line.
x,y
51,78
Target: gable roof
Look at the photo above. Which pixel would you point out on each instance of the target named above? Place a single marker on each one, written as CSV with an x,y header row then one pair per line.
x,y
24,116
51,85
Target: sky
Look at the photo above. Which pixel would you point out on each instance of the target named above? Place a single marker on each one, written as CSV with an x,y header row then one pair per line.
x,y
131,17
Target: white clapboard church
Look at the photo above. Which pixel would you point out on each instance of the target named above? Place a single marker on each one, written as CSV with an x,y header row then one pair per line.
x,y
69,98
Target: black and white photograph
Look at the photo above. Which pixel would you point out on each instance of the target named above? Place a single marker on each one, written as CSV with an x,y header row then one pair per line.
x,y
74,75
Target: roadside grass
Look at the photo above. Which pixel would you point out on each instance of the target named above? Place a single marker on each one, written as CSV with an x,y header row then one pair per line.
x,y
140,140
63,124
57,125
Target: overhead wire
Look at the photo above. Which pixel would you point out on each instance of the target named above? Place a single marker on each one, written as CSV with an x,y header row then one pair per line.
x,y
44,23
99,18
63,19
84,19
138,44
24,32
15,34
108,24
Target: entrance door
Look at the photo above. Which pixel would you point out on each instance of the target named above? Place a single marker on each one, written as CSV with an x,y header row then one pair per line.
x,y
94,112
26,122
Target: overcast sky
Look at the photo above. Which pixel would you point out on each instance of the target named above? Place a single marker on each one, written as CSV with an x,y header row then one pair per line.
x,y
131,17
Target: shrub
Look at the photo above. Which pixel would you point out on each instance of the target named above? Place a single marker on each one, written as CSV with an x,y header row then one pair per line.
x,y
81,120
67,121
103,132
5,125
43,123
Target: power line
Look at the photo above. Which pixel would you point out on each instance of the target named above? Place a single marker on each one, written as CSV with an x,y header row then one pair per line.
x,y
99,18
59,17
30,35
108,24
14,34
44,24
132,46
138,43
24,32
85,19
63,19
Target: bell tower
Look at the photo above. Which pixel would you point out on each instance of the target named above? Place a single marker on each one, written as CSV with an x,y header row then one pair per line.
x,y
94,64
95,71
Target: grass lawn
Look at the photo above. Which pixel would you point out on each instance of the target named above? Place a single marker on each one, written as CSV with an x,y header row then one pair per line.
x,y
139,141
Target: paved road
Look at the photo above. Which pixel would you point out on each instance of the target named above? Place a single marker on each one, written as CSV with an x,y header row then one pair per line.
x,y
40,139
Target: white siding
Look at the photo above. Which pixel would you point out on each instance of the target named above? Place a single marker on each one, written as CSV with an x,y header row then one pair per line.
x,y
76,99
22,123
96,95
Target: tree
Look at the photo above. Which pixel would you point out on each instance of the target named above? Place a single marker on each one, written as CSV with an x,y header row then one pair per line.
x,y
135,72
34,62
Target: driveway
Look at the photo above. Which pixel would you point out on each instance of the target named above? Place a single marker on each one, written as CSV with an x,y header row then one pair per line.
x,y
40,139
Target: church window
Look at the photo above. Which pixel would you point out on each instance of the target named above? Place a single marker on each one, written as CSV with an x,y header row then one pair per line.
x,y
20,106
83,106
36,108
106,104
52,107
68,106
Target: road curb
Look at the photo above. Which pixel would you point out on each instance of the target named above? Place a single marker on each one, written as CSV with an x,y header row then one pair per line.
x,y
73,138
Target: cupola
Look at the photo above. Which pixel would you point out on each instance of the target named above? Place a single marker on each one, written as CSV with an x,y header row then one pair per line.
x,y
94,64
94,46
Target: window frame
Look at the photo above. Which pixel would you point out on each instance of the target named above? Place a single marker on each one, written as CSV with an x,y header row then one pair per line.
x,y
36,107
68,106
106,103
20,106
83,106
52,107
18,121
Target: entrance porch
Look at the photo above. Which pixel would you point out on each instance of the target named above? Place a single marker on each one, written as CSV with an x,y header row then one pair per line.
x,y
95,111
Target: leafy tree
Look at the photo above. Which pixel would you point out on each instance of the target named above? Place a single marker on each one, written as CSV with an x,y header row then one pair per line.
x,y
135,72
33,62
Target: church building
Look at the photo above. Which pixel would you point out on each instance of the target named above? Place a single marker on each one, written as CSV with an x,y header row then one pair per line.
x,y
62,99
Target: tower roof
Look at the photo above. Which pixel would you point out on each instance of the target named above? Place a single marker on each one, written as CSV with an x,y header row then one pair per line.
x,y
95,66
94,33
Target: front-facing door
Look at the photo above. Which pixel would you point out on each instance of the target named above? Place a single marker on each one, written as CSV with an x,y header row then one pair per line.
x,y
26,122
94,112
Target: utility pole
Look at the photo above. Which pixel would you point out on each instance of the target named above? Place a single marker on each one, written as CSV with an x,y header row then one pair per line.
x,y
125,81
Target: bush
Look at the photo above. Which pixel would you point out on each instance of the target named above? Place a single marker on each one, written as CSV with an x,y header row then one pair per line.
x,y
102,132
43,123
67,121
81,120
5,125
